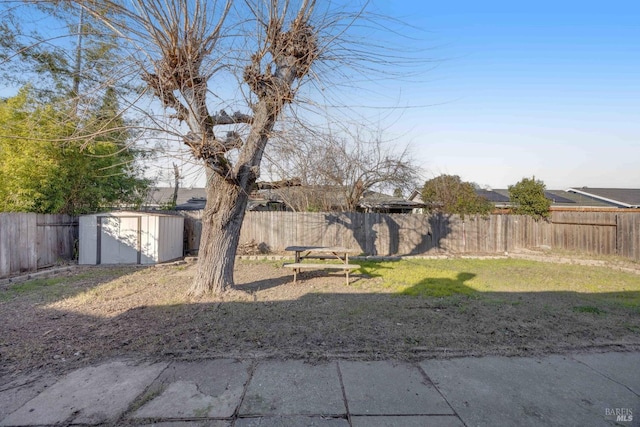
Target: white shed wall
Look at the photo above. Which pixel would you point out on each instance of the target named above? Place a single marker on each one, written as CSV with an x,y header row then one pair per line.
x,y
149,244
171,236
130,238
87,235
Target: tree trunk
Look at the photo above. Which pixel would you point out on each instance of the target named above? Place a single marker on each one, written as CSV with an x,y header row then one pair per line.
x,y
221,224
176,187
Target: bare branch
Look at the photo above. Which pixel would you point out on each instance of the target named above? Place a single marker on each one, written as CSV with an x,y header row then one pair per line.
x,y
222,118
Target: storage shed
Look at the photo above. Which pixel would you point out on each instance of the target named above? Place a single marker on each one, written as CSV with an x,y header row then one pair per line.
x,y
130,238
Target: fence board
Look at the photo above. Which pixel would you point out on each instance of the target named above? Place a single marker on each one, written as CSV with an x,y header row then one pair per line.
x,y
628,236
30,241
5,254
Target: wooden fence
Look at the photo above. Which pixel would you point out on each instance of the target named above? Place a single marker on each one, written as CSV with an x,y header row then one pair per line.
x,y
596,233
31,241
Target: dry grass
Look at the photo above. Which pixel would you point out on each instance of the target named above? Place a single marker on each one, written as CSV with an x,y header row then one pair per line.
x,y
403,310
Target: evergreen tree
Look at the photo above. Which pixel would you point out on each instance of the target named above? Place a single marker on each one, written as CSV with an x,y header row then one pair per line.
x,y
64,145
528,198
50,166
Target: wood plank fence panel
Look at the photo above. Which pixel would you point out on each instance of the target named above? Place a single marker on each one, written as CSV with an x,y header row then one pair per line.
x,y
55,238
587,232
30,241
603,233
23,260
628,236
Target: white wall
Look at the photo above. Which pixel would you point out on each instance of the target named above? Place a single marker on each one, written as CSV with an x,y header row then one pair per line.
x,y
159,238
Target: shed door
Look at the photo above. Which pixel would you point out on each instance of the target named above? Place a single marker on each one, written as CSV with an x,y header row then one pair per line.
x,y
118,240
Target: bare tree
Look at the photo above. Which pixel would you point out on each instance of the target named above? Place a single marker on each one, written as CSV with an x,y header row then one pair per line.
x,y
350,164
188,43
249,58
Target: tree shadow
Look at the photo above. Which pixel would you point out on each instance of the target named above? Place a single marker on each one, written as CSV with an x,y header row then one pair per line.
x,y
439,229
370,269
442,287
263,284
364,229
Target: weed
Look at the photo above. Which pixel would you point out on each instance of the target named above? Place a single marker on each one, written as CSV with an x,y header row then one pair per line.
x,y
632,328
588,309
146,398
203,412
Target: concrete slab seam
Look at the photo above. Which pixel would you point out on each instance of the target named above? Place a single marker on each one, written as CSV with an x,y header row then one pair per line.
x,y
344,393
429,381
604,375
19,385
131,409
252,370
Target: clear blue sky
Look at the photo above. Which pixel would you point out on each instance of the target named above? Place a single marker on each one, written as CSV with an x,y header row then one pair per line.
x,y
545,88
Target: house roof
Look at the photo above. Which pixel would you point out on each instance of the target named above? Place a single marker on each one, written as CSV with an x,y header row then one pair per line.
x,y
559,198
500,197
493,196
195,198
159,196
620,197
193,204
375,200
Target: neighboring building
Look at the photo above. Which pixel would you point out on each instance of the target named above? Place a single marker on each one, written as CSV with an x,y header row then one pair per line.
x,y
264,198
618,197
560,200
159,197
575,198
286,198
193,204
382,203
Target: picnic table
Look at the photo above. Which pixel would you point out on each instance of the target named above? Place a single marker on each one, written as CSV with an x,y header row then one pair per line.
x,y
303,253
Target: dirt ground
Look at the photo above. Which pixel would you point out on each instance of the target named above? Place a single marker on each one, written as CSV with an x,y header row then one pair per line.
x,y
95,313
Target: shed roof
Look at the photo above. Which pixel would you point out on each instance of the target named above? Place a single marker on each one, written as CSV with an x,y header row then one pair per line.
x,y
126,213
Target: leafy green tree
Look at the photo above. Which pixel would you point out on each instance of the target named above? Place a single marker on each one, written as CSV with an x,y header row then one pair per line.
x,y
528,198
64,145
450,195
48,165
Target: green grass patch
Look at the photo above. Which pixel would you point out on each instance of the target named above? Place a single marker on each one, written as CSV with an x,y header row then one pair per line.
x,y
30,286
505,280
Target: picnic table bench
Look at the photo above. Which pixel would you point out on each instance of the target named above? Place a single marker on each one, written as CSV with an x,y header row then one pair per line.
x,y
322,252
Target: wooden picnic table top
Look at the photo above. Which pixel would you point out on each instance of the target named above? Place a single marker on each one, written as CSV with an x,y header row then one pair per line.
x,y
328,249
